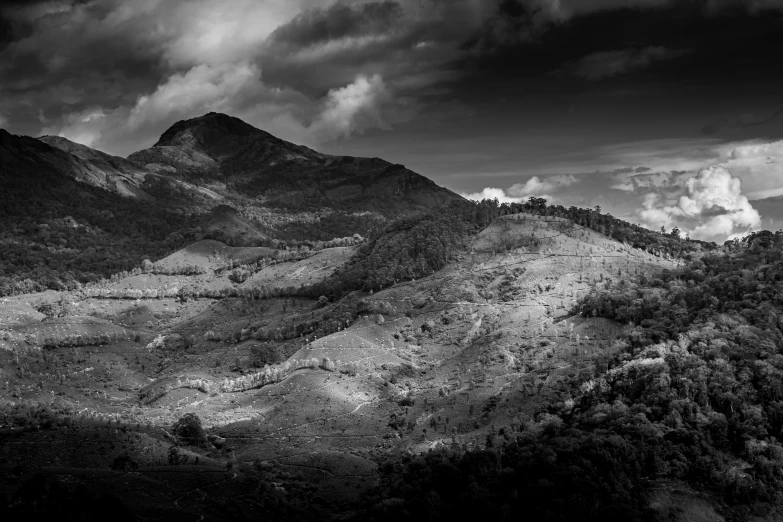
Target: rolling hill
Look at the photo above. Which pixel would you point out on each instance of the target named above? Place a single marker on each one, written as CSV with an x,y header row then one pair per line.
x,y
507,365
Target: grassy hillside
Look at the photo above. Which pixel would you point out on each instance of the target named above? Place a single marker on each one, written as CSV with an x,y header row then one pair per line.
x,y
483,360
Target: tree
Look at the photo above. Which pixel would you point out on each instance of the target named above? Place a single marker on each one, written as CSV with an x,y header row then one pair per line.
x,y
536,204
188,429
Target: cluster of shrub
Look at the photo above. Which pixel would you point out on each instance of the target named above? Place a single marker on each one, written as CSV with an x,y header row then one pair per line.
x,y
158,389
86,339
283,332
293,328
277,372
131,293
242,270
272,373
247,293
148,267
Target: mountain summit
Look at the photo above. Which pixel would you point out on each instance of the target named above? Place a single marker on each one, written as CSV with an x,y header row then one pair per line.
x,y
251,163
214,132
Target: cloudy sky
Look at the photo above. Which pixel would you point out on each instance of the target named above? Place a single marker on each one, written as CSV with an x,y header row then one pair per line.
x,y
663,112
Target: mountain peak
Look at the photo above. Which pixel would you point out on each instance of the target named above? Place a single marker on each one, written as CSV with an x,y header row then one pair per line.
x,y
251,162
204,131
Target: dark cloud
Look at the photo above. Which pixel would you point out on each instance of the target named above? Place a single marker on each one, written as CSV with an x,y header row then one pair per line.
x,y
412,44
606,64
603,41
513,23
69,56
318,26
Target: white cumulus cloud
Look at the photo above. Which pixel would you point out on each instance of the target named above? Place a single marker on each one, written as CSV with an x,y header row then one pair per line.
x,y
712,207
352,109
541,187
492,193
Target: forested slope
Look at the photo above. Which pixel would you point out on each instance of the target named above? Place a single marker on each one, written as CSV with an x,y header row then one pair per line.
x,y
56,232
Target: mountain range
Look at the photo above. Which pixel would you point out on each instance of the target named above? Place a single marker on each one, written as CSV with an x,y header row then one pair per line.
x,y
226,159
214,176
